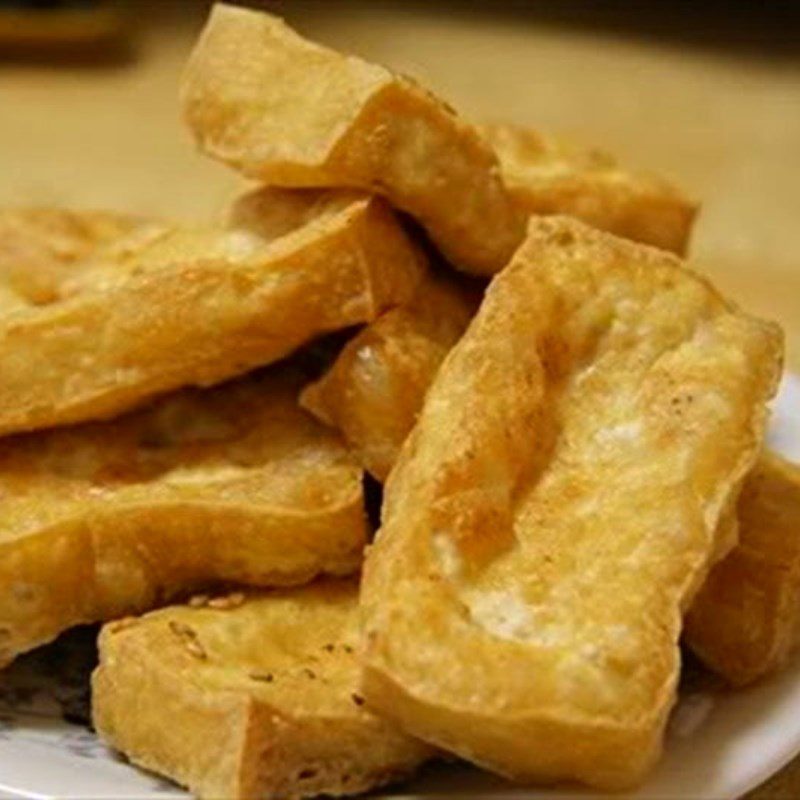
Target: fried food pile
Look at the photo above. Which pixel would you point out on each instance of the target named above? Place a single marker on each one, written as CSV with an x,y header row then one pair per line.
x,y
497,329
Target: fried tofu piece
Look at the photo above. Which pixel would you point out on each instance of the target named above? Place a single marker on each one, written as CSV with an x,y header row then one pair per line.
x,y
375,388
40,247
291,113
232,485
255,700
548,176
557,506
171,306
745,621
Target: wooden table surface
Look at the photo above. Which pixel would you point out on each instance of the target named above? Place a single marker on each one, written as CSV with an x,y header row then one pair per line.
x,y
711,101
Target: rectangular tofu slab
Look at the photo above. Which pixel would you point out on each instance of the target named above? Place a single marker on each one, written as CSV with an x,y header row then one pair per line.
x,y
231,485
171,306
745,621
251,700
557,506
548,176
374,390
288,112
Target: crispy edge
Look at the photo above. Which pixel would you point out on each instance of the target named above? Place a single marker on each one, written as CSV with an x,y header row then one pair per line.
x,y
150,701
40,246
375,389
267,547
361,127
115,349
110,557
547,176
745,622
162,720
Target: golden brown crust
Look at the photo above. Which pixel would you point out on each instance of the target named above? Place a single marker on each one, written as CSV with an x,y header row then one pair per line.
x,y
260,700
234,484
375,388
40,248
290,113
170,307
557,506
745,621
547,176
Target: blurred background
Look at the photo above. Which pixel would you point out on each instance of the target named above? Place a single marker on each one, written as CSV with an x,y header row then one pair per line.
x,y
706,93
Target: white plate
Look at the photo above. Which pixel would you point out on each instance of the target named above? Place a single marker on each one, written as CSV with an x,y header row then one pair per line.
x,y
720,744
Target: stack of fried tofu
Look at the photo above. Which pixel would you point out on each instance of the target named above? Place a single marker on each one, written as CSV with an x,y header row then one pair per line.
x,y
498,329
